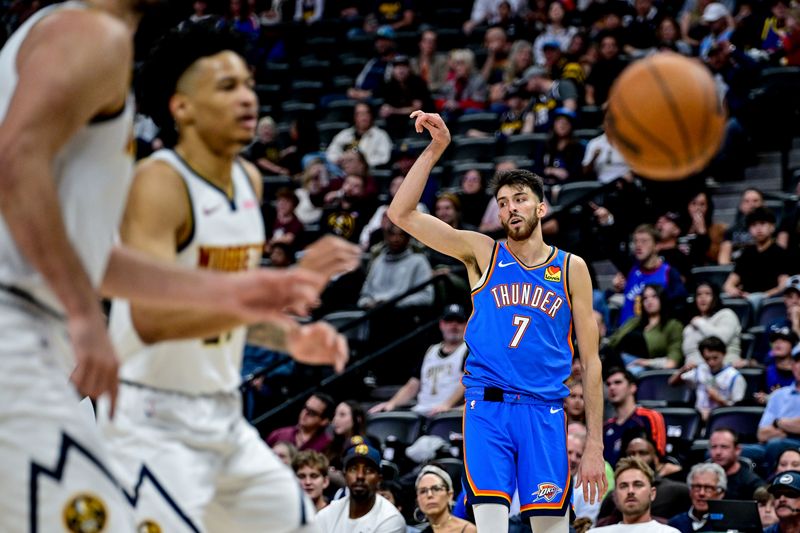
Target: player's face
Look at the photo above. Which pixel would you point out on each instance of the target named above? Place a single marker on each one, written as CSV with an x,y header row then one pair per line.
x,y
634,493
643,450
520,211
312,481
703,487
789,460
215,98
723,450
432,495
362,479
342,419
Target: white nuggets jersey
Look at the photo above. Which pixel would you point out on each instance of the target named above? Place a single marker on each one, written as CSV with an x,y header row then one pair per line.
x,y
228,235
439,376
92,174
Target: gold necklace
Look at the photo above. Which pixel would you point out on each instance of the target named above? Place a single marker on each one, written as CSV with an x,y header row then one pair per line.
x,y
445,521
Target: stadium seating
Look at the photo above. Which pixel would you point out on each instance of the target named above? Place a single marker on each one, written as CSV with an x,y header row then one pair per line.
x,y
405,426
742,419
652,390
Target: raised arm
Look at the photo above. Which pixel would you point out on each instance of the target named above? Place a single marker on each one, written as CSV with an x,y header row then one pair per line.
x,y
592,468
471,248
73,66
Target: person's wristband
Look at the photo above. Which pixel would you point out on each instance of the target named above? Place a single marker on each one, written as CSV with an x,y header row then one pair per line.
x,y
775,423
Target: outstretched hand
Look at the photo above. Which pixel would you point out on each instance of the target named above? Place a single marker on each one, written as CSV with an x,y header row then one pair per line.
x,y
331,256
434,124
318,343
263,294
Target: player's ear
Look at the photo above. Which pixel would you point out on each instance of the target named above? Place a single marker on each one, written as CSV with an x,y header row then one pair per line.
x,y
179,108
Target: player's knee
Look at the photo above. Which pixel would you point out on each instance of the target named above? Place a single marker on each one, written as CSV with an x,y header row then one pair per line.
x,y
550,524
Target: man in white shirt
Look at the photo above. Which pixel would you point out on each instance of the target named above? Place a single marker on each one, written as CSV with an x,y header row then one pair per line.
x,y
370,140
634,493
364,510
604,160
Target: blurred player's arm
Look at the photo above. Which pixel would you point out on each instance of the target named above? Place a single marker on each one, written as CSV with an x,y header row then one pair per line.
x,y
592,468
471,248
317,343
63,82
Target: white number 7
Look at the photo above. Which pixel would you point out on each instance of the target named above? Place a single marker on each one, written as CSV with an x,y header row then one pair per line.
x,y
521,322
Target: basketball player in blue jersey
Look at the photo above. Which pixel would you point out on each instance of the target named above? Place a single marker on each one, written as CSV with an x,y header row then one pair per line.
x,y
528,298
65,153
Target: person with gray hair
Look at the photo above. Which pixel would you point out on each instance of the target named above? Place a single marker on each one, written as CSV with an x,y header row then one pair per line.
x,y
467,90
434,490
707,481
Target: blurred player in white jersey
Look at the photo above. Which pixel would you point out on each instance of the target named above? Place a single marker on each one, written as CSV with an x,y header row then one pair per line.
x,y
198,205
65,155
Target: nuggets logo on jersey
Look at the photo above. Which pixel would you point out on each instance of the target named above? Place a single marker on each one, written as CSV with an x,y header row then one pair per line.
x,y
229,258
547,492
552,273
85,513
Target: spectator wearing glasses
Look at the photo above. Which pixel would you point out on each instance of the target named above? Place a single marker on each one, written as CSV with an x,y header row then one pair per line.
x,y
309,433
434,500
363,509
707,481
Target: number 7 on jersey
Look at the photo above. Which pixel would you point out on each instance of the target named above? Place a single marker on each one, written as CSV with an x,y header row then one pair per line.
x,y
521,322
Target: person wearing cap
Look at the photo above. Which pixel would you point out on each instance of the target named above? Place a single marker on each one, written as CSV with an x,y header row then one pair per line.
x,y
363,509
786,490
669,226
779,427
377,69
546,94
782,341
436,383
762,269
791,300
528,299
434,490
720,25
401,94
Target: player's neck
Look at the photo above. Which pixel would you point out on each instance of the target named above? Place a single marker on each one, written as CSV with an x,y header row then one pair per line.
x,y
211,165
531,251
125,10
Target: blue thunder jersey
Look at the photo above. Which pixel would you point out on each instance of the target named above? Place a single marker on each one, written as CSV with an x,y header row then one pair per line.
x,y
520,331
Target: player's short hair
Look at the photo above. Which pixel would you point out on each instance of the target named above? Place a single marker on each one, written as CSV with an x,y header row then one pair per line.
x,y
518,178
649,230
634,463
312,459
170,58
712,344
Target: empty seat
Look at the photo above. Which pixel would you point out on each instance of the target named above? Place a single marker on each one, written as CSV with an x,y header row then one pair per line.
x,y
454,468
446,425
349,323
716,274
295,110
742,419
683,426
578,192
529,145
307,90
328,130
771,310
486,122
742,308
756,382
652,390
464,149
405,426
339,111
587,134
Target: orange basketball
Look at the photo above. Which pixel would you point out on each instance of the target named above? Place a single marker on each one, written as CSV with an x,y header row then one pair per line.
x,y
665,117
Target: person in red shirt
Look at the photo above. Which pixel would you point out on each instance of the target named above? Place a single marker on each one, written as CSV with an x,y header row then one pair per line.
x,y
309,433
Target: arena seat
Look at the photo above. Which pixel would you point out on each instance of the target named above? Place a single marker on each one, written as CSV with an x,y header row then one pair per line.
x,y
405,426
742,419
652,390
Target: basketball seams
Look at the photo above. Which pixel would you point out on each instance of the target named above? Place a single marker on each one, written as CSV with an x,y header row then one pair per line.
x,y
644,132
677,117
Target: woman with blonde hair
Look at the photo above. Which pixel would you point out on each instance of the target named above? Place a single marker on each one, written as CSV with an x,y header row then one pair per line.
x,y
434,500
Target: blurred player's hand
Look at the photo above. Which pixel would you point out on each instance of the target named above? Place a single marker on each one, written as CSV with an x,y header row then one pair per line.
x,y
318,344
261,295
592,473
96,363
434,124
331,256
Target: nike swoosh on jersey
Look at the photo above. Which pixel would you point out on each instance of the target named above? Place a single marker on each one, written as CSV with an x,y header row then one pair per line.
x,y
503,265
209,210
554,411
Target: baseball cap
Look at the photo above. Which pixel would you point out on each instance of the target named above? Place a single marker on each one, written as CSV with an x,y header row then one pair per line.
x,y
385,32
533,72
454,312
551,44
565,112
786,482
782,332
714,11
400,59
363,451
792,284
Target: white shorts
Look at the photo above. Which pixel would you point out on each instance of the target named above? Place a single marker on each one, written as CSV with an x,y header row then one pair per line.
x,y
203,453
54,471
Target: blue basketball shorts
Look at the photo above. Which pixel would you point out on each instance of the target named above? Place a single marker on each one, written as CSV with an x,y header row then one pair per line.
x,y
515,441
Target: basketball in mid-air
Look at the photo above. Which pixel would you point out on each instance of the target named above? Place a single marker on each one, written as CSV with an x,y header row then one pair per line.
x,y
665,116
